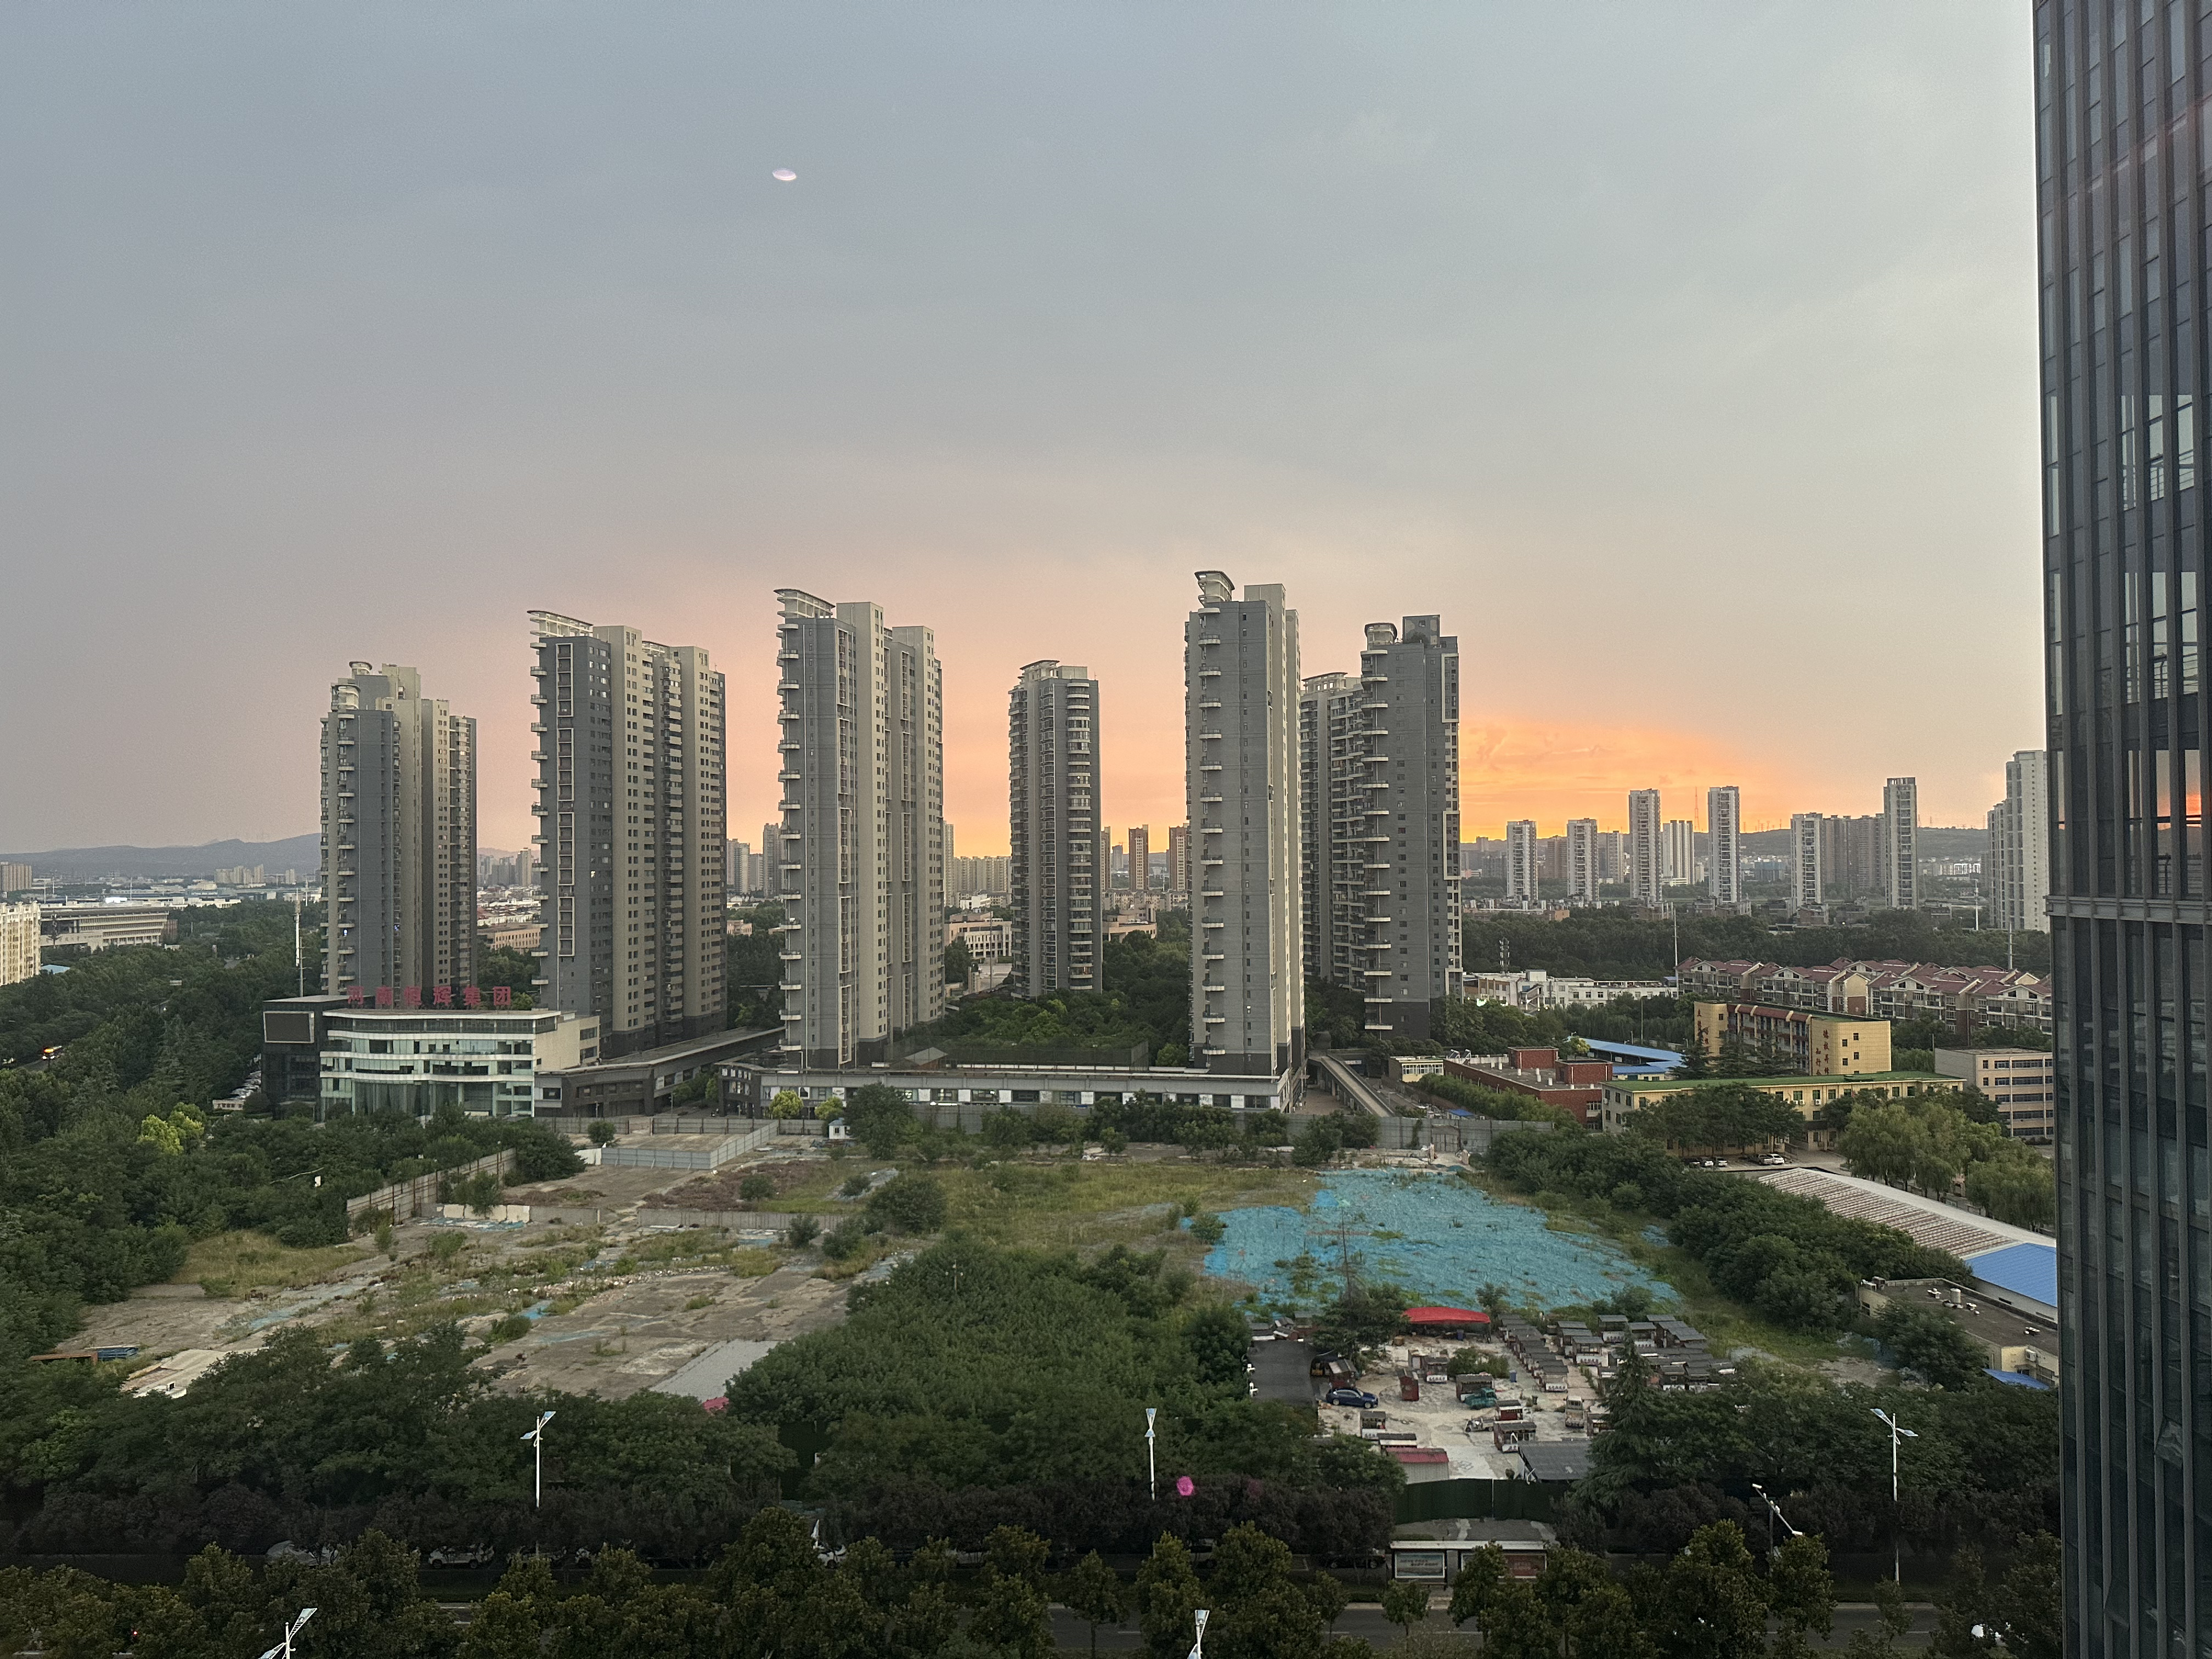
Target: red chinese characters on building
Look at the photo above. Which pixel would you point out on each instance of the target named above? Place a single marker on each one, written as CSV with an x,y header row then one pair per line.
x,y
502,996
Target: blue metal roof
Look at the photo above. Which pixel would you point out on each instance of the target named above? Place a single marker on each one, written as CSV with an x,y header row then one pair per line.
x,y
2018,1379
2030,1270
1633,1051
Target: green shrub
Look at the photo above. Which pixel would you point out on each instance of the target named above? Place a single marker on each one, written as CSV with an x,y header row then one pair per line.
x,y
912,1203
846,1240
804,1230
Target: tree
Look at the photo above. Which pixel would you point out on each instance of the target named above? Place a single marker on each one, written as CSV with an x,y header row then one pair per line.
x,y
1962,1608
601,1132
1011,1612
880,1117
1882,1143
1094,1594
1801,1591
1712,1603
1405,1603
2028,1605
756,1188
2017,1185
786,1105
912,1203
1167,1595
1481,1582
1364,1316
1219,1340
1929,1342
959,963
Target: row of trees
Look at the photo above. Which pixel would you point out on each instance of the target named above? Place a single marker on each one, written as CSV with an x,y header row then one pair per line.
x,y
1930,1142
282,1443
1790,1257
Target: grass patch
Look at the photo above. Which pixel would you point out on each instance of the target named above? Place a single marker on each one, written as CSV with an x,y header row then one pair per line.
x,y
1070,1206
232,1264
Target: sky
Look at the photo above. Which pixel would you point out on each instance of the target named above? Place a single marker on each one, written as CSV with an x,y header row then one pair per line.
x,y
1681,357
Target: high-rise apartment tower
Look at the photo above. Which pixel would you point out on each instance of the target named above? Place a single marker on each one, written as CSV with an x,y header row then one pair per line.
x,y
1241,748
1584,873
1523,859
2123,163
1647,857
1724,831
863,773
1140,858
1333,827
1808,883
1381,834
2017,875
1059,867
1179,862
634,825
1900,841
399,837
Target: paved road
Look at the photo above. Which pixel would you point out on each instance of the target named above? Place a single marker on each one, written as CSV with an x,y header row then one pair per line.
x,y
1072,1635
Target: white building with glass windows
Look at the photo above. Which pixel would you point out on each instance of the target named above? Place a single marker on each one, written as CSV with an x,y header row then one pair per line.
x,y
484,1062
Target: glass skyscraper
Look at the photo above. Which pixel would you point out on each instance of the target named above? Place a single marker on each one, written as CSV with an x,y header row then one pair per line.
x,y
2123,148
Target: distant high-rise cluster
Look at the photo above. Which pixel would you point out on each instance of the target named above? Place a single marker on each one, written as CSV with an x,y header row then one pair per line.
x,y
399,836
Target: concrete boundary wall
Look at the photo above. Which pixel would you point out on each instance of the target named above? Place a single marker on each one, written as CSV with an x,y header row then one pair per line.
x,y
737,1220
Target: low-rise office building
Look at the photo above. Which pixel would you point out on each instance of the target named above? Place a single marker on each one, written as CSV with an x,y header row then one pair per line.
x,y
637,1085
2021,1082
927,1082
106,927
1816,1044
1621,1097
485,1061
1575,1085
2015,1347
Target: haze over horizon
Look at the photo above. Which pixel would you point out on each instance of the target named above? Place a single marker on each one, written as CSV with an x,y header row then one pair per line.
x,y
1685,363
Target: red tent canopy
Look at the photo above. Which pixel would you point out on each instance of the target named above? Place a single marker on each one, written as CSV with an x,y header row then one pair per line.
x,y
1419,1316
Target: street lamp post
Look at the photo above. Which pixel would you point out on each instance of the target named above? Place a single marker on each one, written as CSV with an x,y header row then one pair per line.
x,y
1774,1514
291,1630
1896,1431
1152,1463
536,1438
1198,1647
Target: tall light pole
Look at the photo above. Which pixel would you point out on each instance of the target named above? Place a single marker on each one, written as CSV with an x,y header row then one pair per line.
x,y
291,1630
1198,1647
1152,1463
536,1438
1896,1548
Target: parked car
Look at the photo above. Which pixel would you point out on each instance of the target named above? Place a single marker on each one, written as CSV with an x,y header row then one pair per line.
x,y
1774,1160
1351,1397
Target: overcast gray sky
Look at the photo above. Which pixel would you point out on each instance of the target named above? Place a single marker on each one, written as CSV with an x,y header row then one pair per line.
x,y
1682,356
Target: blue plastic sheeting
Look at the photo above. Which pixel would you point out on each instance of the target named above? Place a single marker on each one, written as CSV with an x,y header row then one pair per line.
x,y
2024,1269
2018,1379
1403,1225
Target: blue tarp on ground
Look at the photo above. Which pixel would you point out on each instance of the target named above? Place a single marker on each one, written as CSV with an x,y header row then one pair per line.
x,y
1439,1236
2030,1270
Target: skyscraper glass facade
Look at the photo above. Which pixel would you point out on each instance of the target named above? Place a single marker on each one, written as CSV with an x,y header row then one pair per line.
x,y
2124,150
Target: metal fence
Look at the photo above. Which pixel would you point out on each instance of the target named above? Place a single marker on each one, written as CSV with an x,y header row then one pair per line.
x,y
406,1199
1471,1499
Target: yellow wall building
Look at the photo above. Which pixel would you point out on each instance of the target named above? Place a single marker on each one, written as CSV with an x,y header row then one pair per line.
x,y
1623,1095
1820,1045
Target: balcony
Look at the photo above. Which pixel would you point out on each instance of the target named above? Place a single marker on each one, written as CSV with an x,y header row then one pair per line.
x,y
1211,989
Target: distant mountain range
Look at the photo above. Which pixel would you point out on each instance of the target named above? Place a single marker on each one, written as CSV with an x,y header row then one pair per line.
x,y
300,852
